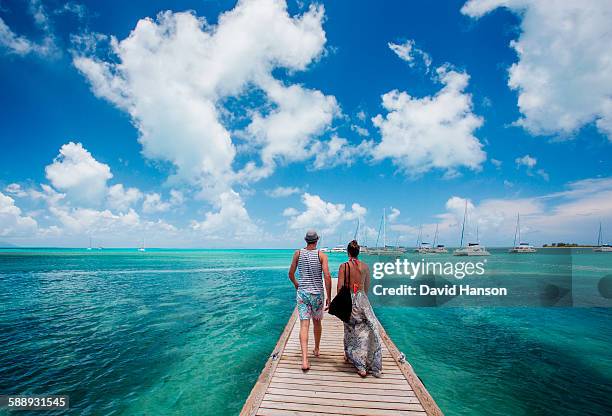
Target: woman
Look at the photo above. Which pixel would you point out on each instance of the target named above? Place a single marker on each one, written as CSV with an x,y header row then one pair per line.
x,y
361,337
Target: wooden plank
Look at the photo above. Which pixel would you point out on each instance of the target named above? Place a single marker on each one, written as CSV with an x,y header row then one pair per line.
x,y
357,383
276,412
346,395
333,366
339,409
372,392
345,401
327,357
332,372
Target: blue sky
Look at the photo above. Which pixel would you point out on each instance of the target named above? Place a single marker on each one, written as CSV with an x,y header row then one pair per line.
x,y
147,121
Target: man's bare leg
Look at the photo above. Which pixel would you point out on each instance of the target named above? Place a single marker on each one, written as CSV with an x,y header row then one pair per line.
x,y
304,326
318,329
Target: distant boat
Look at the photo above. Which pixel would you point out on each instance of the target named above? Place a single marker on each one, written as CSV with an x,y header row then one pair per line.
x,y
89,248
440,249
521,247
472,249
426,248
338,249
602,248
421,246
385,250
142,247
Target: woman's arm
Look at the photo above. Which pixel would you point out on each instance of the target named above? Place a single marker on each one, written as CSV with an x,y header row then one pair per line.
x,y
366,280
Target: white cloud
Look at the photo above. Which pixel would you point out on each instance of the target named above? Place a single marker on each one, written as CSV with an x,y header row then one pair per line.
x,y
76,172
360,130
290,212
543,174
121,199
173,74
286,134
433,132
16,190
393,215
496,163
571,215
12,222
338,151
526,160
283,191
325,215
92,221
408,52
230,221
79,10
530,162
564,72
153,202
21,45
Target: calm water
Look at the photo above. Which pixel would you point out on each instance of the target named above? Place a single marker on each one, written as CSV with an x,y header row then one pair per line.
x,y
187,332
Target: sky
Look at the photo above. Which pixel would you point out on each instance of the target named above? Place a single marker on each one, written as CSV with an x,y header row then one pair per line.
x,y
243,124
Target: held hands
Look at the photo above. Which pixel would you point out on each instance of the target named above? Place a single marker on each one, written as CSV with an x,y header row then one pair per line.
x,y
326,304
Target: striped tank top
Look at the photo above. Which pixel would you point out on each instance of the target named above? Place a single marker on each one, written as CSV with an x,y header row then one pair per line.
x,y
311,271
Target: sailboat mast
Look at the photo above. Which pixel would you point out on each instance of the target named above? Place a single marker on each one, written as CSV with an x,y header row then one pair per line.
x,y
384,227
516,230
435,236
518,225
599,235
378,235
463,226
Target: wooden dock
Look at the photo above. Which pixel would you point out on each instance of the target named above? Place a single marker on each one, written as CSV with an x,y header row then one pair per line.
x,y
331,386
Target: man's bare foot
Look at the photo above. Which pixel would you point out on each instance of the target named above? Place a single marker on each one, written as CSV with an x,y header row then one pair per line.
x,y
316,352
305,366
363,374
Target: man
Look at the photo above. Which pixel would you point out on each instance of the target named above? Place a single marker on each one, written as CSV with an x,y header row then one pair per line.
x,y
312,265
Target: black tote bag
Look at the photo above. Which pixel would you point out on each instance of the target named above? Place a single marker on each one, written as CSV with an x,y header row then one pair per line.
x,y
342,305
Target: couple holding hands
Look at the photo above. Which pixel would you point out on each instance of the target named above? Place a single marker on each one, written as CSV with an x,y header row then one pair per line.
x,y
362,345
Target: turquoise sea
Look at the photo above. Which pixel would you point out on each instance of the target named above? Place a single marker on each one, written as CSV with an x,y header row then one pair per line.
x,y
187,332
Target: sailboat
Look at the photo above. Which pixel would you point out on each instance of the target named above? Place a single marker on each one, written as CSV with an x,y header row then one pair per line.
x,y
142,247
438,248
384,250
89,248
421,247
322,249
340,248
602,248
521,247
472,249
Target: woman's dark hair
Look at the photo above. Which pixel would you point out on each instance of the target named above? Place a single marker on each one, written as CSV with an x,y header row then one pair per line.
x,y
353,248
